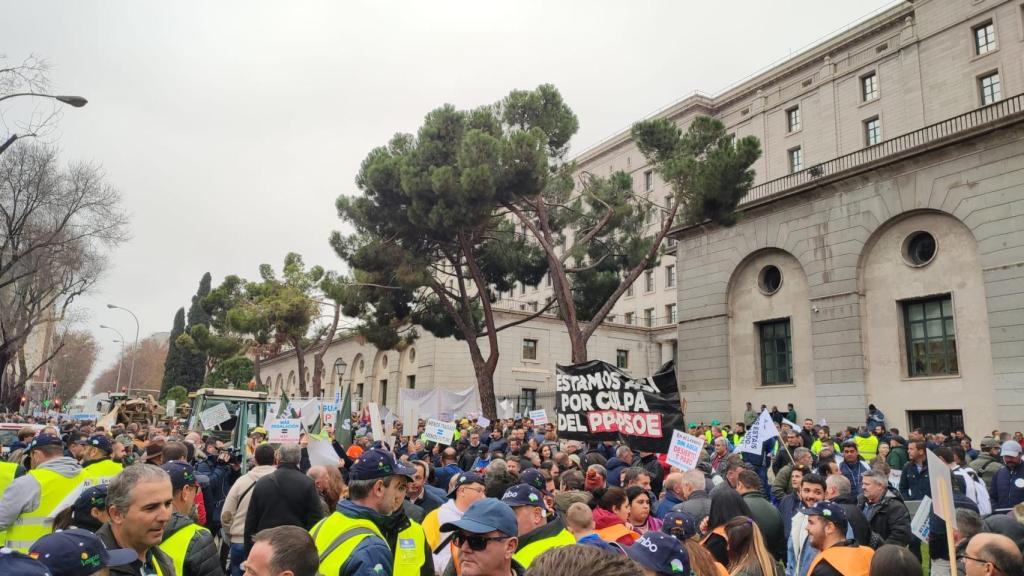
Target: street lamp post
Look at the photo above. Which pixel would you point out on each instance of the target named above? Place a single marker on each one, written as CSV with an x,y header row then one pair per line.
x,y
74,101
135,349
339,368
120,360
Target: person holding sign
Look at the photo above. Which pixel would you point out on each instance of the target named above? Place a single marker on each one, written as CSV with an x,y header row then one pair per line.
x,y
826,528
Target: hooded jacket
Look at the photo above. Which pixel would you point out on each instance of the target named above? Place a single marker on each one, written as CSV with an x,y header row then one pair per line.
x,y
202,557
898,456
22,494
889,519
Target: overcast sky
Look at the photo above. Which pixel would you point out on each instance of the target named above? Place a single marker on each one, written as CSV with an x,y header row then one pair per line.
x,y
231,127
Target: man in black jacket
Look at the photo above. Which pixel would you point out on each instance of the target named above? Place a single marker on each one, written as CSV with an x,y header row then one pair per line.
x,y
469,455
285,497
837,490
885,511
650,463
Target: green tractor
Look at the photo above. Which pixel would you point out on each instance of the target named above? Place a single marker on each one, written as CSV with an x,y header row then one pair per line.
x,y
242,411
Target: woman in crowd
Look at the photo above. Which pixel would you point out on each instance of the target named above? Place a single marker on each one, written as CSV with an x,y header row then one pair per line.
x,y
611,514
748,555
546,453
640,516
683,527
726,504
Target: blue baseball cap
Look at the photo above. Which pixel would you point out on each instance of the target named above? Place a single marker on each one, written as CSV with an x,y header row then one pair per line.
x,y
101,441
77,552
486,515
829,511
682,525
45,440
378,463
466,478
661,553
91,497
533,477
13,562
523,495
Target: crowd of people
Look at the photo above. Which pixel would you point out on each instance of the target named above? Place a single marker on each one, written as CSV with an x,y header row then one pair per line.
x,y
507,499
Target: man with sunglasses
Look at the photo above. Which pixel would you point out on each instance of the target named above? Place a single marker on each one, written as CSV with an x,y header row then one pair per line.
x,y
989,554
486,539
351,540
536,533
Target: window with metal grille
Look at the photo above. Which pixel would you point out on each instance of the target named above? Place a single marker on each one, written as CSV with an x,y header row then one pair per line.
x,y
991,92
984,38
776,353
527,400
931,337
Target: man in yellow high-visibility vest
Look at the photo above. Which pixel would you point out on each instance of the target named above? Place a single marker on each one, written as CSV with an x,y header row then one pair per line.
x,y
30,503
536,534
188,544
97,466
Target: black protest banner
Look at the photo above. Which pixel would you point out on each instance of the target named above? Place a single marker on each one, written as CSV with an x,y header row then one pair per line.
x,y
597,401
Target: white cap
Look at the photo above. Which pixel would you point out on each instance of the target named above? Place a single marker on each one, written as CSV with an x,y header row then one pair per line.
x,y
1010,448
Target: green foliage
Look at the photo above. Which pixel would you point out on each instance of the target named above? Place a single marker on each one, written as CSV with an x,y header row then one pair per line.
x,y
175,369
193,358
177,393
235,372
708,169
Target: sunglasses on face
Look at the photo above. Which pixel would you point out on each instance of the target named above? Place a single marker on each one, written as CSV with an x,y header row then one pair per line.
x,y
475,541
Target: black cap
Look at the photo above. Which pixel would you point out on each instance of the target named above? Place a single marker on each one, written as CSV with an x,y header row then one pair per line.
x,y
533,477
45,440
181,474
378,463
830,511
91,497
101,441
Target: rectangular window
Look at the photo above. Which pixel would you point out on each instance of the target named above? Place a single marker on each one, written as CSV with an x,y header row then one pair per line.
x,y
649,281
776,353
547,279
410,382
629,291
869,87
359,395
383,392
670,276
931,337
622,358
670,314
529,349
872,131
527,400
630,318
990,89
670,243
533,307
793,119
649,180
984,38
649,317
796,160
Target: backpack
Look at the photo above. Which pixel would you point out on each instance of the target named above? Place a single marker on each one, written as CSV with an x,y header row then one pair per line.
x,y
976,490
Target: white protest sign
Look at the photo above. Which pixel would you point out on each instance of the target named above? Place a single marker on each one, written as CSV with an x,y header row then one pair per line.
x,y
172,405
684,451
791,423
271,415
321,453
483,422
440,432
285,431
214,415
762,430
539,417
376,425
329,414
410,423
919,525
939,476
86,416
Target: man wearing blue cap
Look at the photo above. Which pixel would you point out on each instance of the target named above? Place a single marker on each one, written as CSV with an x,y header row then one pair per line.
x,y
77,552
361,538
660,554
826,530
485,540
12,562
536,535
188,544
97,466
30,503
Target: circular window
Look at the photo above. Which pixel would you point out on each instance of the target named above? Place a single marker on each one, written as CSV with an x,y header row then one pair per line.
x,y
383,361
770,279
412,354
919,248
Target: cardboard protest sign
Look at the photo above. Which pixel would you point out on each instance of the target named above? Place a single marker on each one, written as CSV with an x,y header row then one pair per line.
x,y
440,432
214,415
539,417
685,450
285,431
596,401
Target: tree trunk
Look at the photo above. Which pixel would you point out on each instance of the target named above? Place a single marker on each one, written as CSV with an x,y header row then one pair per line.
x,y
300,358
256,365
318,356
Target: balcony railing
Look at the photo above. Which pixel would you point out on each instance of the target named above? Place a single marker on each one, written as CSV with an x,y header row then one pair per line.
x,y
894,146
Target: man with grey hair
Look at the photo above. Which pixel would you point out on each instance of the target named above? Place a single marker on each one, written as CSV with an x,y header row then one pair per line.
x,y
139,504
885,511
697,502
782,485
623,459
837,491
285,497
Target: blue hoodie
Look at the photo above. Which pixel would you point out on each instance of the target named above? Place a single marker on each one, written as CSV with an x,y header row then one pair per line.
x,y
372,551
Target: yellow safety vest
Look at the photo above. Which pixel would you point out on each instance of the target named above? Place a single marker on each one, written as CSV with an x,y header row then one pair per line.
x,y
326,531
526,555
176,546
410,550
818,445
101,472
34,524
7,472
868,447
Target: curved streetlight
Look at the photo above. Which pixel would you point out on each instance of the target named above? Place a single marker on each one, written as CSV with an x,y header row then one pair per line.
x,y
120,360
135,349
73,101
339,368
